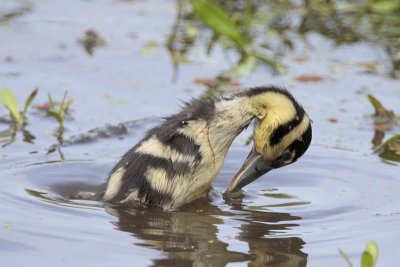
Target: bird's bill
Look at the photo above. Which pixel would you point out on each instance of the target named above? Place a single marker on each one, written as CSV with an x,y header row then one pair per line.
x,y
253,168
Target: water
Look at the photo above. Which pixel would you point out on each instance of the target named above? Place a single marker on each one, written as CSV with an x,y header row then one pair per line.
x,y
339,194
292,216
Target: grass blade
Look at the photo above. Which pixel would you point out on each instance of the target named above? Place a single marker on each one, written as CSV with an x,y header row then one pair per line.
x,y
29,101
376,103
214,17
57,116
7,98
344,256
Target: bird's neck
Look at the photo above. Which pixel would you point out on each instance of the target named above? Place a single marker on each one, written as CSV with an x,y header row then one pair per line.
x,y
230,118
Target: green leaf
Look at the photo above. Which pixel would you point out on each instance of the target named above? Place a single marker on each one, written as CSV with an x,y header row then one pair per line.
x,y
375,102
51,102
9,101
372,249
214,17
386,6
387,142
64,104
29,100
367,260
57,116
382,115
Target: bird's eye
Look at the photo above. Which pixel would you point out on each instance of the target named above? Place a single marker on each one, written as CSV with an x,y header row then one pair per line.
x,y
184,123
286,155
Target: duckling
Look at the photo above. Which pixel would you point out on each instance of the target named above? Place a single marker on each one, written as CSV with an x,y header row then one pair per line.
x,y
177,161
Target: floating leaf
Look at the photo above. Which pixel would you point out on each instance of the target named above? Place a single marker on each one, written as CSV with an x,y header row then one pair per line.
x,y
9,101
310,78
300,58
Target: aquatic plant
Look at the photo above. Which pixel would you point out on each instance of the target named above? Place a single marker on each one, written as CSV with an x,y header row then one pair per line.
x,y
57,110
384,120
261,31
17,117
382,115
9,101
368,257
222,24
390,149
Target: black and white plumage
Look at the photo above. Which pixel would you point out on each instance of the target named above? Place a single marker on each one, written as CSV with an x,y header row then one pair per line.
x,y
176,162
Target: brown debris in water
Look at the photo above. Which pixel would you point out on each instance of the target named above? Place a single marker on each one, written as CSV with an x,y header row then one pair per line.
x,y
309,78
300,59
91,40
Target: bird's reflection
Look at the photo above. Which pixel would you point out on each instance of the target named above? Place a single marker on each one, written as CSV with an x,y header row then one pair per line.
x,y
190,236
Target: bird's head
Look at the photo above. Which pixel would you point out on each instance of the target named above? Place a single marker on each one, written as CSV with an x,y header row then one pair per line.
x,y
282,133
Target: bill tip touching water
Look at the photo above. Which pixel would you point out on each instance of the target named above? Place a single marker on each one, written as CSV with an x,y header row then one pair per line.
x,y
177,161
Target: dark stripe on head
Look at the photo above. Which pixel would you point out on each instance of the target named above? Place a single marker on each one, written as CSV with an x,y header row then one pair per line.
x,y
301,145
283,129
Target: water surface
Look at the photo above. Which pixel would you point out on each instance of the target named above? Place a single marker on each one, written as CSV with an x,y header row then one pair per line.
x,y
339,195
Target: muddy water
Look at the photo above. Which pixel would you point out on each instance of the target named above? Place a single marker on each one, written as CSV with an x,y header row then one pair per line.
x,y
339,195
